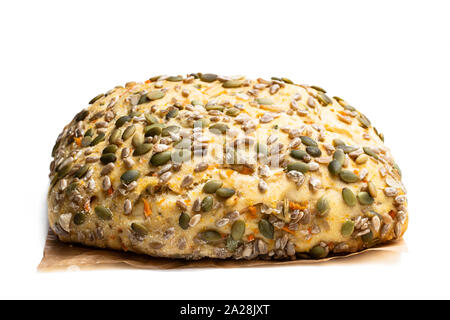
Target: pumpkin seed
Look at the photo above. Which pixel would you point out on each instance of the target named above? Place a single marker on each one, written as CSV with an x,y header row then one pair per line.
x,y
365,198
158,159
63,171
307,141
231,244
207,203
166,130
334,167
175,78
338,142
210,107
89,132
143,99
225,192
379,134
108,157
103,213
266,228
81,172
286,80
233,83
137,140
81,115
322,205
324,99
317,252
79,218
155,78
298,166
314,151
362,158
237,230
96,98
181,155
128,132
208,77
139,229
232,112
347,149
318,89
210,236
370,152
264,101
122,120
142,149
71,188
86,141
183,221
212,185
349,197
130,176
368,237
347,228
115,136
99,138
202,123
364,121
196,103
153,130
112,148
299,154
348,107
151,119
372,189
348,176
219,128
155,95
172,113
339,155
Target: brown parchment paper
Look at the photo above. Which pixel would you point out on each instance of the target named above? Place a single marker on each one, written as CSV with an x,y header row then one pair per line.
x,y
59,256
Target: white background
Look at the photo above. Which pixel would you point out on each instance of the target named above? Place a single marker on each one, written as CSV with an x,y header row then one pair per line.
x,y
390,59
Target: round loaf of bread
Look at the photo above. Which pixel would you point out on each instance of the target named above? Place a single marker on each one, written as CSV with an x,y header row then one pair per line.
x,y
224,167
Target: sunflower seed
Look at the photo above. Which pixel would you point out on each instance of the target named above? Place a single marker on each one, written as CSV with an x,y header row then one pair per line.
x,y
262,186
165,177
103,213
222,222
106,183
390,192
296,176
195,220
376,223
201,167
187,181
127,207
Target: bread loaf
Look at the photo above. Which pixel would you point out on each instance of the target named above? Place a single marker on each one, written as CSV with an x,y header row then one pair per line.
x,y
211,166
